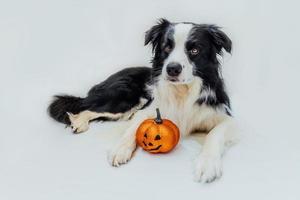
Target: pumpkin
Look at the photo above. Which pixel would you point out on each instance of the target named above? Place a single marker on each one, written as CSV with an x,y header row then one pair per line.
x,y
157,135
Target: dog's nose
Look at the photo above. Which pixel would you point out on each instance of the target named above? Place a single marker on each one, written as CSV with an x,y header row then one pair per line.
x,y
174,69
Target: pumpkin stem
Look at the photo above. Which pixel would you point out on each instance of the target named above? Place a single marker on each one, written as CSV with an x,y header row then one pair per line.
x,y
158,119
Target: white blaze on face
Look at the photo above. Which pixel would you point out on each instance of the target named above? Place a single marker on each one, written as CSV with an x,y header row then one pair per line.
x,y
178,54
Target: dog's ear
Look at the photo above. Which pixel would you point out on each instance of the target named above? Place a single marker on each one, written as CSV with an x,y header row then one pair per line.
x,y
155,34
220,39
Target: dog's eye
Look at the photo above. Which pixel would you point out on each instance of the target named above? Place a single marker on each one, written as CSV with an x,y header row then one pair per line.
x,y
194,51
168,49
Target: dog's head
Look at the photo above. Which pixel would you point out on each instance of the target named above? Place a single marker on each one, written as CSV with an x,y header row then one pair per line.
x,y
183,51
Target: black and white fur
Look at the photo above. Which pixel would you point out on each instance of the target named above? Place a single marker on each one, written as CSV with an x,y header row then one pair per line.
x,y
185,83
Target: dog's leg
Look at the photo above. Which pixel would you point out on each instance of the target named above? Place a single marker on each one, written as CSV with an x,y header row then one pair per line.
x,y
80,121
209,163
124,149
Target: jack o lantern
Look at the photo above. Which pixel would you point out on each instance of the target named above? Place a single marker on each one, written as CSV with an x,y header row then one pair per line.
x,y
157,135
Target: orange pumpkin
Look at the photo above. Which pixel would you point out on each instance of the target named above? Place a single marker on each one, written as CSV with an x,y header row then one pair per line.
x,y
157,135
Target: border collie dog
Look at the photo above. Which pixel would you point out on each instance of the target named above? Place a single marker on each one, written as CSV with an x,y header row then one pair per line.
x,y
185,83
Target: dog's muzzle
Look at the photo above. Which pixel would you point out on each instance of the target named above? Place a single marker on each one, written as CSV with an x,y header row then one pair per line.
x,y
173,71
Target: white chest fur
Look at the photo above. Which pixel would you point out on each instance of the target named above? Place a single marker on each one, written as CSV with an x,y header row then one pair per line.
x,y
178,103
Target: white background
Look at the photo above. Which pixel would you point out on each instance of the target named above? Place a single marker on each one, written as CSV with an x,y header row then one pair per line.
x,y
61,46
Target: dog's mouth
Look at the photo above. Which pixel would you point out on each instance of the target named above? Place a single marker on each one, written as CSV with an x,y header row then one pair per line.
x,y
174,80
155,149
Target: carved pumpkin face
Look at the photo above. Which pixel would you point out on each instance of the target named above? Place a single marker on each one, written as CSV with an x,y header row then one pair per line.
x,y
157,135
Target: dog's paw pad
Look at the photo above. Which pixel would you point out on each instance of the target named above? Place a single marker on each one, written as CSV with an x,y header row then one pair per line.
x,y
78,125
79,128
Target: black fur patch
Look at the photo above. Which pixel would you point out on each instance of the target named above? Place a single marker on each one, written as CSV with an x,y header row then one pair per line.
x,y
117,94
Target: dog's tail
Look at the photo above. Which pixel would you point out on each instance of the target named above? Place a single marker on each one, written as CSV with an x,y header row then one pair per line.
x,y
62,104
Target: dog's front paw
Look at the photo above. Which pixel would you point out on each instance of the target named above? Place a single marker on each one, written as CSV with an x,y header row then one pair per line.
x,y
121,154
208,168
